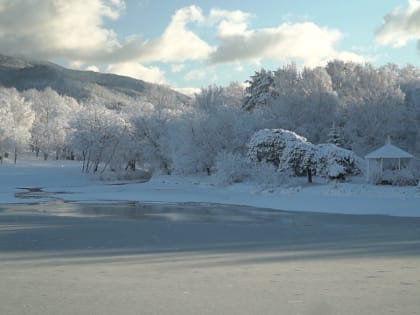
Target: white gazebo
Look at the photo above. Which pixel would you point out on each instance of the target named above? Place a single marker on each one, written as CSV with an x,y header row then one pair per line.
x,y
388,158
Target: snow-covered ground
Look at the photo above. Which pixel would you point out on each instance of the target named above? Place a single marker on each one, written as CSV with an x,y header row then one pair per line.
x,y
64,180
293,263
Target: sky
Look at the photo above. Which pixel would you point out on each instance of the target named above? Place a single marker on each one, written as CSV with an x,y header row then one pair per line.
x,y
192,44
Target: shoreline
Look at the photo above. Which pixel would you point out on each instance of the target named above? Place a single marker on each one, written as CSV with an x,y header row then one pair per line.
x,y
62,180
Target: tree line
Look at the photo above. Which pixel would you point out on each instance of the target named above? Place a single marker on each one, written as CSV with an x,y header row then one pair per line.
x,y
357,103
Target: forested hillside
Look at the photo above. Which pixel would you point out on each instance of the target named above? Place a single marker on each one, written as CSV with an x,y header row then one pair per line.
x,y
352,105
24,74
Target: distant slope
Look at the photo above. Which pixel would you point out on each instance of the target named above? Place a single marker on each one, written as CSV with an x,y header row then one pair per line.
x,y
23,74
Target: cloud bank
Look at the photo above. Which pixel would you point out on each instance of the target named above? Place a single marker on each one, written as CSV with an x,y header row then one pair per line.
x,y
76,30
58,28
138,71
304,41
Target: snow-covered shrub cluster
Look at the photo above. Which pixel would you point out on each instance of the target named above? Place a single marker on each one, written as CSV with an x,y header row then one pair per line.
x,y
236,168
403,177
267,145
232,168
335,162
293,154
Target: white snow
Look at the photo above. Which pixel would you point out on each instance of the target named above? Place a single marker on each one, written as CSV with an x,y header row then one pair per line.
x,y
64,179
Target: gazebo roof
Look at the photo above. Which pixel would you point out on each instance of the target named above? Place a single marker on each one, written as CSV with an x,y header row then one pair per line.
x,y
389,151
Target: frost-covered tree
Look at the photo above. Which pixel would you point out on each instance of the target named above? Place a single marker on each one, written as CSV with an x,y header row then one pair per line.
x,y
150,128
16,118
98,134
210,126
302,101
372,104
50,129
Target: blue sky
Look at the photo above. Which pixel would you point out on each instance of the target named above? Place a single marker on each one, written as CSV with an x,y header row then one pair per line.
x,y
191,44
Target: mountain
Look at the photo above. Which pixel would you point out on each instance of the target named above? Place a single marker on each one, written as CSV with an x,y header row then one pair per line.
x,y
23,73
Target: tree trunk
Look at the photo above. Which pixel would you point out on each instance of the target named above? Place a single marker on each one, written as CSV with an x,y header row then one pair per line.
x,y
84,162
87,163
15,158
96,165
131,165
309,173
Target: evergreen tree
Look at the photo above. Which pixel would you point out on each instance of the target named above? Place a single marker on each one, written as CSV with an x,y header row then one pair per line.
x,y
259,89
335,136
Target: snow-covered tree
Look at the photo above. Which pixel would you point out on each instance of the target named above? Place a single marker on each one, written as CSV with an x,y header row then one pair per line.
x,y
150,129
51,126
213,124
16,118
267,145
293,154
259,90
335,136
98,134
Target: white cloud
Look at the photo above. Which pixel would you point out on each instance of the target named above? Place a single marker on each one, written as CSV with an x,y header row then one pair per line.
x,y
239,67
229,22
76,64
306,41
92,68
58,28
178,43
177,68
190,91
138,71
400,26
75,30
196,74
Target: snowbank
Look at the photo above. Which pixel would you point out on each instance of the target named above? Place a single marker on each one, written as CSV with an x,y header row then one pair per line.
x,y
64,180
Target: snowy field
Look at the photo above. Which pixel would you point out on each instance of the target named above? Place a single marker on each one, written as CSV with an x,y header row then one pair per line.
x,y
169,258
64,180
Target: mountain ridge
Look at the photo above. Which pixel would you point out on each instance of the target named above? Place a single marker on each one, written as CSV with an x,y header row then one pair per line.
x,y
23,73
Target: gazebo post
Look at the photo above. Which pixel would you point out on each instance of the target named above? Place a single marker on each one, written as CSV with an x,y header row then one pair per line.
x,y
368,171
382,166
399,164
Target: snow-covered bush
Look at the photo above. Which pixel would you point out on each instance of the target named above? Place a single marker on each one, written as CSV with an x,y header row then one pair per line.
x,y
235,168
293,154
335,162
267,145
232,168
298,157
402,177
267,176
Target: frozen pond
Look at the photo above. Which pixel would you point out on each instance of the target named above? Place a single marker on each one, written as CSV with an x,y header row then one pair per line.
x,y
183,212
196,258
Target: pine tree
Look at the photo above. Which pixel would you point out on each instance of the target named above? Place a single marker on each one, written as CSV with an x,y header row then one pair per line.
x,y
335,136
259,89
